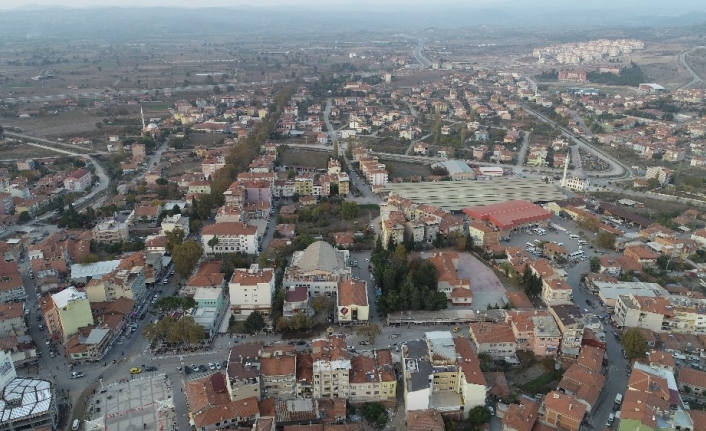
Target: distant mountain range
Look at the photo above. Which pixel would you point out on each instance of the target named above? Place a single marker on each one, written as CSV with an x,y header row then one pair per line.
x,y
136,24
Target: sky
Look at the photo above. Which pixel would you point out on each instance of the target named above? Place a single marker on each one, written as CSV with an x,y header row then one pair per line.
x,y
11,4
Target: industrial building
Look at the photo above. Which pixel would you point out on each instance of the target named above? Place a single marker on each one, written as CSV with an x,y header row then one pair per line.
x,y
509,216
454,196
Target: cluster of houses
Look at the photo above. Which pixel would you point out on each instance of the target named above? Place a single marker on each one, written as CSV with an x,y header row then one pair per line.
x,y
586,52
31,193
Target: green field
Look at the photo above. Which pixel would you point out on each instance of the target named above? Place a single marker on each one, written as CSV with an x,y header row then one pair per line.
x,y
155,106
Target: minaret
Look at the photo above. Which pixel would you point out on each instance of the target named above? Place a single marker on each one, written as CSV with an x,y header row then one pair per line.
x,y
566,168
142,114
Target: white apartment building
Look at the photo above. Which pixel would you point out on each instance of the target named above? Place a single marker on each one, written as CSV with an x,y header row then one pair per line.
x,y
177,221
232,238
251,290
111,231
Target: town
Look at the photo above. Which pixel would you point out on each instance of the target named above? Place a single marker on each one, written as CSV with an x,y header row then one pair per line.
x,y
393,238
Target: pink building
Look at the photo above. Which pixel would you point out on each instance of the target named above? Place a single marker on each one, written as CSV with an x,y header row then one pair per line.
x,y
536,331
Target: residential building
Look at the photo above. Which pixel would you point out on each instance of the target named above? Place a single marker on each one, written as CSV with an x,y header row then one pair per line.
x,y
495,339
210,406
331,367
535,331
66,311
278,368
563,411
372,377
521,417
12,320
211,307
570,322
78,181
11,284
111,231
352,302
243,372
296,300
177,221
320,268
231,238
442,373
425,420
653,313
483,235
251,290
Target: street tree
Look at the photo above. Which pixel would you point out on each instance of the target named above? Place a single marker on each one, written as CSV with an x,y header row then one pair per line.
x,y
213,242
634,344
173,238
185,257
349,210
479,415
320,303
371,331
254,323
595,264
605,239
174,330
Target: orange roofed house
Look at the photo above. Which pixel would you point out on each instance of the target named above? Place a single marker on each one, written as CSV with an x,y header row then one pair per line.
x,y
563,411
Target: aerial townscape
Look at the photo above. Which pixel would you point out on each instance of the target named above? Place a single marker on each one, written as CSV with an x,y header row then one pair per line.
x,y
325,219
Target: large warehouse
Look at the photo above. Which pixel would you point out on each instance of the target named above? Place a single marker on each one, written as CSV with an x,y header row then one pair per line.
x,y
454,196
507,216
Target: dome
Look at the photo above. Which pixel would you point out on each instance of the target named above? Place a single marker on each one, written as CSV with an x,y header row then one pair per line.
x,y
152,126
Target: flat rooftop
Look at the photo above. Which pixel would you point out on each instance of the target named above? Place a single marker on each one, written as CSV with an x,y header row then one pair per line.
x,y
457,195
128,405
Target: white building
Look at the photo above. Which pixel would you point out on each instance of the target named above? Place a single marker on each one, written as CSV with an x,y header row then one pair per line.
x,y
111,231
251,290
232,238
577,184
320,268
177,221
25,403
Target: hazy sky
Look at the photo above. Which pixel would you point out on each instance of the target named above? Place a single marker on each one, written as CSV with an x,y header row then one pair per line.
x,y
10,4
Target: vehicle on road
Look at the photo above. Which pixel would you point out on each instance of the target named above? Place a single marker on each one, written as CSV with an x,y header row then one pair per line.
x,y
76,423
393,336
150,368
77,374
135,370
456,329
363,343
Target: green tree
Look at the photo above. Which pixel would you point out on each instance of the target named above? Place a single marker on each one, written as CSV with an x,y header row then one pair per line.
x,y
606,239
335,148
254,323
663,262
174,331
350,210
371,331
186,256
375,414
468,246
634,344
161,181
479,415
24,217
173,238
320,303
99,125
213,242
595,264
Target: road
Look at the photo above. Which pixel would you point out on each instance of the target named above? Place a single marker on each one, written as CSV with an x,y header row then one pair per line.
x,y
411,144
98,189
694,77
617,169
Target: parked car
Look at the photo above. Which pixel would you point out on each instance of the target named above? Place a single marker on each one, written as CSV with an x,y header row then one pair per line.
x,y
150,368
135,370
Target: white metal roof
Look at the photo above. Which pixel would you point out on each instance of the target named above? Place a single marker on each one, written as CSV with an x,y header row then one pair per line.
x,y
94,269
62,299
35,398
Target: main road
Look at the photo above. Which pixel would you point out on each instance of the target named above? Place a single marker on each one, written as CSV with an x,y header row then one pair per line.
x,y
694,77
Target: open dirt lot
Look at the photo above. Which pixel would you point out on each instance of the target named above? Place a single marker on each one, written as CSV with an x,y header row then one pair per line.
x,y
296,156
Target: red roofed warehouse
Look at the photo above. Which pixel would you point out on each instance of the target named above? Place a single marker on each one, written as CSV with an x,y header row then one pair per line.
x,y
511,215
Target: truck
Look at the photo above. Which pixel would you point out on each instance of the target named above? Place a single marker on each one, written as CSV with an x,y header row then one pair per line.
x,y
618,399
557,227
